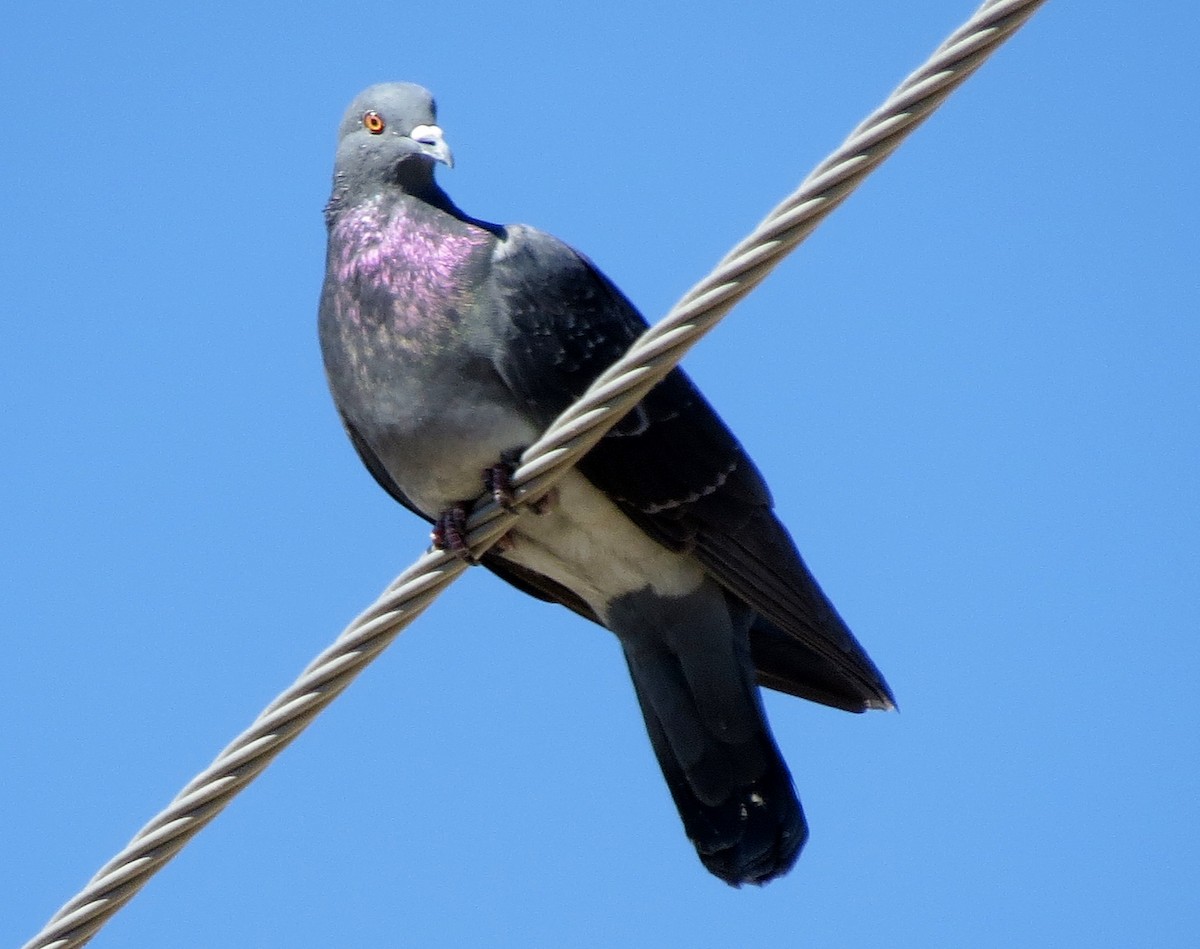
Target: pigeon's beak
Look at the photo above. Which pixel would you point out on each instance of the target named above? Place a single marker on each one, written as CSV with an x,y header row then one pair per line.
x,y
433,143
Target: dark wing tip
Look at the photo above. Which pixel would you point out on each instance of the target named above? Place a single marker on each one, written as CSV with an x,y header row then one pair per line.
x,y
785,663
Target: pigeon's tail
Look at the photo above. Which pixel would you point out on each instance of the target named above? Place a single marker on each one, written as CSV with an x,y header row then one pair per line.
x,y
695,683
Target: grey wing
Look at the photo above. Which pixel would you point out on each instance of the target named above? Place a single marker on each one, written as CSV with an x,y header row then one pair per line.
x,y
673,466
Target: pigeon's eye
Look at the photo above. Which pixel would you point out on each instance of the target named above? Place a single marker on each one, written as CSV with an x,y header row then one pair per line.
x,y
374,122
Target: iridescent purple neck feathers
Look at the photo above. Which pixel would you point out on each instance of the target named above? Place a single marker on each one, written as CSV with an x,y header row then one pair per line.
x,y
404,263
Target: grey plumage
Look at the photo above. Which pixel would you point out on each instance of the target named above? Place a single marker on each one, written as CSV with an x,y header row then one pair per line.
x,y
450,343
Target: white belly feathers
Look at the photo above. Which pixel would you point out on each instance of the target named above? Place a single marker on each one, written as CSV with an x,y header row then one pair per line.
x,y
589,546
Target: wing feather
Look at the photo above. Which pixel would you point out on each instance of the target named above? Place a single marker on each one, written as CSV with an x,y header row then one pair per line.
x,y
672,466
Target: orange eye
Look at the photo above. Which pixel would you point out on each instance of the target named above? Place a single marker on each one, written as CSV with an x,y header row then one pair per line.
x,y
374,122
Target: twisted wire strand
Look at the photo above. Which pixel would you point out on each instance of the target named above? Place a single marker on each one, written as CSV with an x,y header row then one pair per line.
x,y
572,434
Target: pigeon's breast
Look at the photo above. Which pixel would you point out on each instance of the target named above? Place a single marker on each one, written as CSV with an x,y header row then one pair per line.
x,y
409,267
400,341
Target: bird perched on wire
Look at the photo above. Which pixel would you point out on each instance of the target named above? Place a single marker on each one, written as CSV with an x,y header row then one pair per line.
x,y
450,344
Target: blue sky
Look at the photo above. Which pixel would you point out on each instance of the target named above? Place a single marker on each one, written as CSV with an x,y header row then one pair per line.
x,y
975,393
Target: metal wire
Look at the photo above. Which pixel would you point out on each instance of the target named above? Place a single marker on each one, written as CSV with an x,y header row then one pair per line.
x,y
616,391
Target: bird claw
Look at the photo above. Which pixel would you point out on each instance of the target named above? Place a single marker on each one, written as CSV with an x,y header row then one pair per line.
x,y
497,479
450,532
450,528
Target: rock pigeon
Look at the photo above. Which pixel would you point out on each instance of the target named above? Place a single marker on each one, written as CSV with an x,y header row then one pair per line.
x,y
450,344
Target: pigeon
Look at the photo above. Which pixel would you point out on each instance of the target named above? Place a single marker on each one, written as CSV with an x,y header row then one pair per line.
x,y
449,345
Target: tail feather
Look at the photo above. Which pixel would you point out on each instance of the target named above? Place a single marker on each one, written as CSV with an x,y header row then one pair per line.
x,y
729,782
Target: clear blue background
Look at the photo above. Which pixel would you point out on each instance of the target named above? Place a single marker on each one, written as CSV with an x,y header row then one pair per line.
x,y
975,392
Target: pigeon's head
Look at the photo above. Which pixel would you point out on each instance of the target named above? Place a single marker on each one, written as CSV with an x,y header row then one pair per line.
x,y
390,134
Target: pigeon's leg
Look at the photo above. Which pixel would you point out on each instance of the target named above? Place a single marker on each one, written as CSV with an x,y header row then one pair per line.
x,y
498,480
450,529
450,532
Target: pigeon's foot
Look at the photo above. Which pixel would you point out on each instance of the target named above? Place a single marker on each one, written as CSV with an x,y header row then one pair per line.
x,y
497,479
450,532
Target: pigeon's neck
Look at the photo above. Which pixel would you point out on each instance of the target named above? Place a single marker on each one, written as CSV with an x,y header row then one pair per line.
x,y
412,253
412,180
416,180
